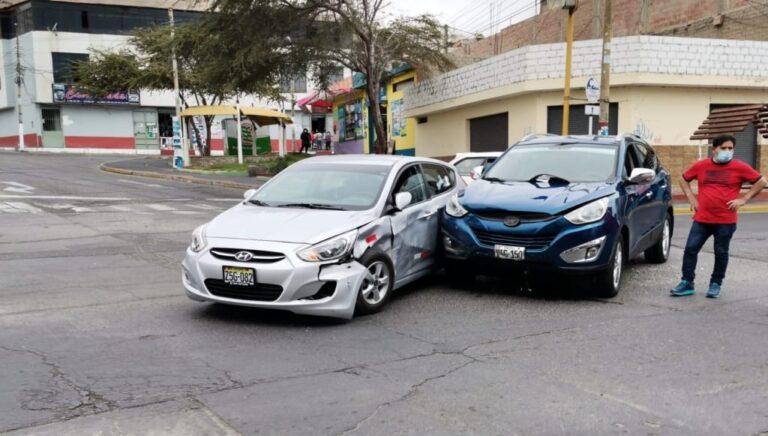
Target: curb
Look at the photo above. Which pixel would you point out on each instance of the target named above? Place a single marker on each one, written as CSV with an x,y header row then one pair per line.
x,y
178,178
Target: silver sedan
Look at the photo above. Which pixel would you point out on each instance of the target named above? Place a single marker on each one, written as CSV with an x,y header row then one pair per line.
x,y
330,236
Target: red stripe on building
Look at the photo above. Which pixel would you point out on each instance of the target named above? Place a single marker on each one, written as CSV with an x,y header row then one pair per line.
x,y
98,142
275,143
217,144
30,140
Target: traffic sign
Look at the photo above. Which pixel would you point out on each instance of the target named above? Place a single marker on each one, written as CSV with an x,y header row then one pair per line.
x,y
593,90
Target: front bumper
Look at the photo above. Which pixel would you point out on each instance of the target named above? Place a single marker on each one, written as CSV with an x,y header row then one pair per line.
x,y
461,243
300,287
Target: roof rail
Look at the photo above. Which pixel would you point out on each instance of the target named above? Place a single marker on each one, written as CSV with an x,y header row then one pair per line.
x,y
535,135
632,134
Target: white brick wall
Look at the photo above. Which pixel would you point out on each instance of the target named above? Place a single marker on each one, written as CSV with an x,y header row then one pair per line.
x,y
632,54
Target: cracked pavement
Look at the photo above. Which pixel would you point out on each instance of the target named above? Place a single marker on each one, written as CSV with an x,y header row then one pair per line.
x,y
96,336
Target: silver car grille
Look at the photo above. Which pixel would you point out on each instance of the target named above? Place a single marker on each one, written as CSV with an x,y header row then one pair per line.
x,y
256,256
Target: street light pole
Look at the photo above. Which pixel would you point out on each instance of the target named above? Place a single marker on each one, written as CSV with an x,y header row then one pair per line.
x,y
175,66
605,77
19,81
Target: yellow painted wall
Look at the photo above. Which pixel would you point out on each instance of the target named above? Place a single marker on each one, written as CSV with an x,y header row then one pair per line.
x,y
661,115
407,138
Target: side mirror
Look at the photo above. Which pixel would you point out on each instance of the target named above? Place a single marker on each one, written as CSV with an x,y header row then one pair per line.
x,y
402,200
476,172
641,176
249,193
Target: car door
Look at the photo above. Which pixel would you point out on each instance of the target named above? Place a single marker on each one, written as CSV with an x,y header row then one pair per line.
x,y
411,226
657,209
637,199
440,182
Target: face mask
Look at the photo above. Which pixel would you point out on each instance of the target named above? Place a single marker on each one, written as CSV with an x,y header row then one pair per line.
x,y
723,156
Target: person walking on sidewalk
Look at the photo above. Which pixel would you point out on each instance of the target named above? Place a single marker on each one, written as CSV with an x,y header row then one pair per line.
x,y
305,140
715,210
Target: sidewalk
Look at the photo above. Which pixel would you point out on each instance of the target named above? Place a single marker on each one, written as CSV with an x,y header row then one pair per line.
x,y
160,167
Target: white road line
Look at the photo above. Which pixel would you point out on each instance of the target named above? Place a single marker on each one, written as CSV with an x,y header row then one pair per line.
x,y
161,207
120,208
186,212
204,206
151,185
228,200
79,209
18,187
7,208
62,197
24,207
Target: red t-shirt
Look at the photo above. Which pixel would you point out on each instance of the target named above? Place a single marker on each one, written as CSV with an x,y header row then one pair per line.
x,y
719,184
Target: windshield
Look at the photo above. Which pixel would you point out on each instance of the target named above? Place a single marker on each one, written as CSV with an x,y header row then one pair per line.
x,y
325,186
575,163
464,166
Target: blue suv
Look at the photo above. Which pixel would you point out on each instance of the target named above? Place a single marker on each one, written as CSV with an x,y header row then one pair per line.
x,y
572,204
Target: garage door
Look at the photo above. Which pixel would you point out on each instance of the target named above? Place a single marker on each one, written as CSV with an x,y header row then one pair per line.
x,y
578,122
489,133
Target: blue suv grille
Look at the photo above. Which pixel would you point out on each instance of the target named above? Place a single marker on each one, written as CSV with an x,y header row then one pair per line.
x,y
527,241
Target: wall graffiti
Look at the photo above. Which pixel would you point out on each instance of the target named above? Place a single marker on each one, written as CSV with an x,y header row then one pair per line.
x,y
642,130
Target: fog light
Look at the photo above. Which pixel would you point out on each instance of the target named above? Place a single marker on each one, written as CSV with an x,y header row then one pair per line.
x,y
583,253
451,246
188,277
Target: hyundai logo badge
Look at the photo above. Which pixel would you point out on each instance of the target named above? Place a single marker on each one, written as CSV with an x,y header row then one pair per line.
x,y
511,221
243,256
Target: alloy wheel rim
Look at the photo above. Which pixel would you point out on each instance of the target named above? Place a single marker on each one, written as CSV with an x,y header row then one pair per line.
x,y
665,241
617,267
376,283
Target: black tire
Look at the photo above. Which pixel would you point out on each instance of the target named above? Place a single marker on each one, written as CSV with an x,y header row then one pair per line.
x,y
369,296
659,252
607,285
459,272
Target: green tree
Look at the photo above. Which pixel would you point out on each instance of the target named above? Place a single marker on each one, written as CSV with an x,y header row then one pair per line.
x,y
356,34
210,70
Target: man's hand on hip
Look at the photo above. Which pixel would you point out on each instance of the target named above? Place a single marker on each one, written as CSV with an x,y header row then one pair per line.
x,y
737,203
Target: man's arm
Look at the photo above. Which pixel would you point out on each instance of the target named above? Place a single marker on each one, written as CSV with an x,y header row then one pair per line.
x,y
756,188
686,185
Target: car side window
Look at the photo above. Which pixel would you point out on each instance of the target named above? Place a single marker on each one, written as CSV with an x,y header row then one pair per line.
x,y
648,156
630,160
411,181
438,179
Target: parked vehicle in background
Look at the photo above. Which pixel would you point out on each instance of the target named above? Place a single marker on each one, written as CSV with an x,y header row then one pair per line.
x,y
465,163
329,236
575,204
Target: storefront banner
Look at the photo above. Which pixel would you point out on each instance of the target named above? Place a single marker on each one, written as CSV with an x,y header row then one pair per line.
x,y
67,94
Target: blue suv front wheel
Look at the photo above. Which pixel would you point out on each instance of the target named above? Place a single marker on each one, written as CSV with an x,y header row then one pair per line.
x,y
608,281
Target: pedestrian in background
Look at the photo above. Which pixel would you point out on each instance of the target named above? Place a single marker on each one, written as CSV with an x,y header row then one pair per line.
x,y
715,210
328,138
306,140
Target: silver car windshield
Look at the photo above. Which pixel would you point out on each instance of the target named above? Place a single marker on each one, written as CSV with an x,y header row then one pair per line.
x,y
325,186
575,163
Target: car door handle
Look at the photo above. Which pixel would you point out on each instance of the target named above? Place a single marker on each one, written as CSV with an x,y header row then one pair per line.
x,y
664,186
428,215
649,194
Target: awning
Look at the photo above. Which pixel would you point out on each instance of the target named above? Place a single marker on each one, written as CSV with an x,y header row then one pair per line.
x,y
733,120
261,116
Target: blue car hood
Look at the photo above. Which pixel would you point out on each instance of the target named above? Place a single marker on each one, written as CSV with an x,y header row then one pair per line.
x,y
528,197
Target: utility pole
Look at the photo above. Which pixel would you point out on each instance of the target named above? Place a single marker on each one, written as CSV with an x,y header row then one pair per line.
x,y
605,77
175,66
19,81
568,58
293,124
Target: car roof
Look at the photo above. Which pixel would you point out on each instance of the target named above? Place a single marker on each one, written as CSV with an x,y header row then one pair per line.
x,y
368,159
478,154
583,139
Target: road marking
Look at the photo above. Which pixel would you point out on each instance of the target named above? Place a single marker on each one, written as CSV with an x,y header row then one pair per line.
x,y
62,197
23,207
120,208
18,187
228,200
161,207
151,185
186,212
204,206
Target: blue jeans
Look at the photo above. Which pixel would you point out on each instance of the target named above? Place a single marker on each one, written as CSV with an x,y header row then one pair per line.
x,y
698,235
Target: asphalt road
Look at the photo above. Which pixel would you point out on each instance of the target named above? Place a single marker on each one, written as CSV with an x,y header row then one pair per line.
x,y
96,335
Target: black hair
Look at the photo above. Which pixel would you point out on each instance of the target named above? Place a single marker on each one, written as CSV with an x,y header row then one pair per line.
x,y
722,139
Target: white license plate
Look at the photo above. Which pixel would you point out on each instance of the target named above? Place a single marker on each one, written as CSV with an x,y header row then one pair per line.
x,y
239,276
509,252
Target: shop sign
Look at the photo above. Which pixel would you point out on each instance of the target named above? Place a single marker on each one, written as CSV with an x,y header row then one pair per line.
x,y
67,94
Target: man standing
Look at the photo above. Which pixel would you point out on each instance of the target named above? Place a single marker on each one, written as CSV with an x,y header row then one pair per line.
x,y
715,210
305,140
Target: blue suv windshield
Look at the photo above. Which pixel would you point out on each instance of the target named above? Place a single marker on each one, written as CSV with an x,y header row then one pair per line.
x,y
576,163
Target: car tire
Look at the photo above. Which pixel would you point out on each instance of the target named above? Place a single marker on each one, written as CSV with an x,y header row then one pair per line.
x,y
659,252
376,287
459,272
608,281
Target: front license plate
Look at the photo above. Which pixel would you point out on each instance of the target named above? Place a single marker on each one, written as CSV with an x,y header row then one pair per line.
x,y
239,276
509,252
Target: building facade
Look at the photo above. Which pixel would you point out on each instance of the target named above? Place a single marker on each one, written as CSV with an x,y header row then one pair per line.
x,y
45,37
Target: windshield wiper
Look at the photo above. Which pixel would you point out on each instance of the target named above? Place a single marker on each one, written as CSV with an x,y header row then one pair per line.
x,y
548,178
494,179
259,203
312,206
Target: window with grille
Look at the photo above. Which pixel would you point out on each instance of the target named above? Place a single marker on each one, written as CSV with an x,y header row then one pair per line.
x,y
51,120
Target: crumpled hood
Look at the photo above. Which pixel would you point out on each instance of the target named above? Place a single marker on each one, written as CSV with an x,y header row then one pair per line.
x,y
527,197
301,226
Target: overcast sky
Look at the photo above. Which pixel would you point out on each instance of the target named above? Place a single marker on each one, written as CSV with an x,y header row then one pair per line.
x,y
468,16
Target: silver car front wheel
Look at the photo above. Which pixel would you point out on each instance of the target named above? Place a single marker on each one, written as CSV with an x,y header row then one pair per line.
x,y
377,284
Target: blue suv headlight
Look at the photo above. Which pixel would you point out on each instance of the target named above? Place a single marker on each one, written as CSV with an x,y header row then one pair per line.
x,y
589,213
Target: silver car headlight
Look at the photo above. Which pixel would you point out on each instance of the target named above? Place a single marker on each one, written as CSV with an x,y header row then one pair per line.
x,y
589,213
199,241
331,249
454,208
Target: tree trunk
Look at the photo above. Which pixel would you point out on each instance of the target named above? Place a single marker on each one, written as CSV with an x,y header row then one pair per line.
x,y
380,145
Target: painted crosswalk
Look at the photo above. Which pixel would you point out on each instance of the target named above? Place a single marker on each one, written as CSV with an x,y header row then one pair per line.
x,y
38,206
